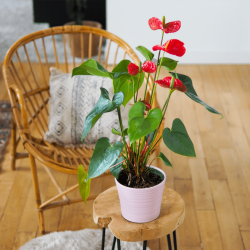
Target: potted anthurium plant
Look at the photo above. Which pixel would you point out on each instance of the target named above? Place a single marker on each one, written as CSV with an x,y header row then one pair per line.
x,y
140,185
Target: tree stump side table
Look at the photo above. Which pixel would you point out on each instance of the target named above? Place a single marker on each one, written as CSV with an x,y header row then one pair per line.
x,y
107,214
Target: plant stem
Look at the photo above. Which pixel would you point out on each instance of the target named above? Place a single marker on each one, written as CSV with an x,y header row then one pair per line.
x,y
138,156
121,127
166,103
134,90
156,132
156,143
128,161
158,73
146,87
138,87
157,68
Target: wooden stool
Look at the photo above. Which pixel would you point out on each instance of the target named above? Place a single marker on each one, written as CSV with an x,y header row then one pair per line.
x,y
107,214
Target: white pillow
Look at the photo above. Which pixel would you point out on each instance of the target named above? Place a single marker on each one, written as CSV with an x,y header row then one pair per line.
x,y
72,98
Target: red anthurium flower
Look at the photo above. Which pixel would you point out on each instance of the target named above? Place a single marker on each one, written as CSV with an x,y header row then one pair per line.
x,y
147,104
133,69
155,23
148,67
165,83
173,47
171,27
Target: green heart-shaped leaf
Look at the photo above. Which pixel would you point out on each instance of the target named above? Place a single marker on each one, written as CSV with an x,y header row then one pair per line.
x,y
138,125
104,156
92,67
146,53
177,139
103,105
165,160
124,82
191,93
84,185
122,66
168,64
115,171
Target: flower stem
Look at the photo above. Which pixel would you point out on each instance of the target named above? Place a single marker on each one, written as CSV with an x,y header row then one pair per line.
x,y
156,132
166,103
146,87
134,90
138,156
158,73
121,127
157,68
138,87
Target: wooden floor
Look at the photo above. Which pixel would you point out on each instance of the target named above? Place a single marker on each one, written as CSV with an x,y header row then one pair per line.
x,y
215,185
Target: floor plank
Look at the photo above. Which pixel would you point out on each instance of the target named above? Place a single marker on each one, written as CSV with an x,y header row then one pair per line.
x,y
201,186
13,209
189,231
229,229
22,238
213,159
209,230
238,187
246,239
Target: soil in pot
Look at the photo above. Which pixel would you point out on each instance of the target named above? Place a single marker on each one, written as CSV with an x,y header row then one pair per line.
x,y
149,178
74,41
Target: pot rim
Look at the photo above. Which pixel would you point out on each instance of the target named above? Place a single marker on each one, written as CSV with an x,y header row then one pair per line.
x,y
163,181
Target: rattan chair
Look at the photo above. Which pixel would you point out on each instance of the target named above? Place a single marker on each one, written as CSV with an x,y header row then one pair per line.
x,y
28,88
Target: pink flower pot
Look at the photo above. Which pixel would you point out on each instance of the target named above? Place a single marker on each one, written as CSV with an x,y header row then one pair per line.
x,y
141,205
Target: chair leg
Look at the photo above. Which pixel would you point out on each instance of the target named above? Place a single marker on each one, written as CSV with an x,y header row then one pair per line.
x,y
13,140
37,192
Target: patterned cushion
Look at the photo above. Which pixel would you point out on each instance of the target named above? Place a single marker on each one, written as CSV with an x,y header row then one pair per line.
x,y
71,101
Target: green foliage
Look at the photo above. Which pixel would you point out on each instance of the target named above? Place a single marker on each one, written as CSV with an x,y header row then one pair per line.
x,y
177,139
191,93
168,64
122,66
84,185
151,137
116,132
103,105
146,53
125,83
104,156
165,160
116,170
92,67
138,125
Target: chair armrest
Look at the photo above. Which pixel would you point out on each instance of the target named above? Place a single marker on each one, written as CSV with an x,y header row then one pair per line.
x,y
21,102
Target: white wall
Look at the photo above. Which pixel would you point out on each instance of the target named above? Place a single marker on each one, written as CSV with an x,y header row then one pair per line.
x,y
214,32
